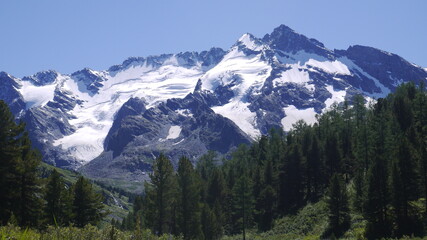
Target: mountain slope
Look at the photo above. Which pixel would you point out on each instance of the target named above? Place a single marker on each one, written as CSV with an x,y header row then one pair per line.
x,y
189,103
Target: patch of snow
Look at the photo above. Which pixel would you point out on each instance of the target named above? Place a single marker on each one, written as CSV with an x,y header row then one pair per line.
x,y
396,82
294,114
335,67
300,58
180,141
239,113
310,87
184,112
84,144
247,73
369,102
174,132
293,75
337,96
36,96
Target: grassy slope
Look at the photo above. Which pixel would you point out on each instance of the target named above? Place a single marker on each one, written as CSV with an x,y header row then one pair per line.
x,y
309,223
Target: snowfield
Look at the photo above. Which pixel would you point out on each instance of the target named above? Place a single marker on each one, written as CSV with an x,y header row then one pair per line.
x,y
174,132
36,96
95,116
294,114
246,74
337,97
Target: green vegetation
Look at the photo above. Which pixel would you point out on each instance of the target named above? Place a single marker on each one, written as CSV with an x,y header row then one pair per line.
x,y
89,232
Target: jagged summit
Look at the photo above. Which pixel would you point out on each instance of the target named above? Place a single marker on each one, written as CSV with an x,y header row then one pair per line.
x,y
285,39
42,78
188,59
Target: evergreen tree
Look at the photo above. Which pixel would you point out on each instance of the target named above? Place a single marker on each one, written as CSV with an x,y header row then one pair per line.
x,y
58,207
10,151
266,212
358,191
188,200
87,204
361,132
332,155
30,203
210,226
206,164
313,170
337,202
377,198
377,201
216,188
266,197
404,185
159,199
291,188
243,203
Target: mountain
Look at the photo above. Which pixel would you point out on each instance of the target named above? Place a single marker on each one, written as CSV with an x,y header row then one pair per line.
x,y
114,122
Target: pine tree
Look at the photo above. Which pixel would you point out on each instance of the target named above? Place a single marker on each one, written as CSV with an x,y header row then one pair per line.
x,y
188,200
377,198
87,204
243,203
404,185
332,155
58,207
30,203
337,202
313,170
358,190
159,196
266,196
210,227
206,164
266,212
216,188
10,151
291,188
361,147
218,212
377,201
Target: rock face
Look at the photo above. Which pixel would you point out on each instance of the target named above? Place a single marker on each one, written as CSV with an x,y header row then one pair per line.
x,y
9,93
115,122
178,127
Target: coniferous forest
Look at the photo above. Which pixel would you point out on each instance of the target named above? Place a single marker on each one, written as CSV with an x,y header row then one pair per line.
x,y
362,164
28,200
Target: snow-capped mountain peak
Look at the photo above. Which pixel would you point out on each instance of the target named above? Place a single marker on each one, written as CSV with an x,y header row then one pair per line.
x,y
188,100
42,78
287,40
250,42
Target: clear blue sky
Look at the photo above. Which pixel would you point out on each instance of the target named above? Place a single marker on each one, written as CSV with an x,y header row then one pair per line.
x,y
69,35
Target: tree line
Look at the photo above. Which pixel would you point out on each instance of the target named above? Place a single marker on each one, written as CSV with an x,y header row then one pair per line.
x,y
29,201
361,158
